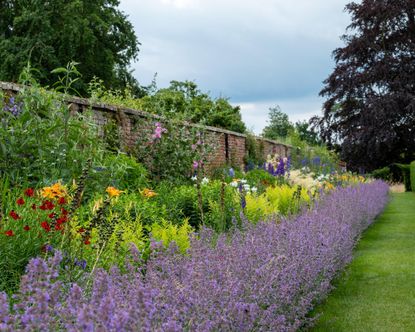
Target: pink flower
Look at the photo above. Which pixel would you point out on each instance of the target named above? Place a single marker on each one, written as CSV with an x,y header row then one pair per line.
x,y
158,131
195,164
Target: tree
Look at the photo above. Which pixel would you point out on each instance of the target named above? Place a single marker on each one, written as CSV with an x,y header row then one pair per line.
x,y
370,106
52,33
279,126
184,101
307,133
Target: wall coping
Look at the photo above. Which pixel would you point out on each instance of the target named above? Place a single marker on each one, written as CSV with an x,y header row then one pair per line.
x,y
103,106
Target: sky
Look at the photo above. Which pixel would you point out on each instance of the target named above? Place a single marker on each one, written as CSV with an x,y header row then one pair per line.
x,y
256,53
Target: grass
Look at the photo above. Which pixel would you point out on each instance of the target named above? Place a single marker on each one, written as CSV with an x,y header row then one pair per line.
x,y
377,291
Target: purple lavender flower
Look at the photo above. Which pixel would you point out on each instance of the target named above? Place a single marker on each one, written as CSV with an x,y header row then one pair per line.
x,y
263,277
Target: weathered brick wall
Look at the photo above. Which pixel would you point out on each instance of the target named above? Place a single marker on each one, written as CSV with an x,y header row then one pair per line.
x,y
230,146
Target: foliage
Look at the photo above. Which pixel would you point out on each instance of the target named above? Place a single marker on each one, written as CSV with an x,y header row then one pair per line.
x,y
307,133
32,222
260,179
276,201
412,175
382,174
254,151
181,101
370,107
268,258
172,151
406,174
220,204
184,101
167,233
40,141
279,126
52,33
117,170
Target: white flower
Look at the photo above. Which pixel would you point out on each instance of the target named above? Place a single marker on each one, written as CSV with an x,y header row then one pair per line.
x,y
246,187
254,189
194,178
234,184
243,181
205,180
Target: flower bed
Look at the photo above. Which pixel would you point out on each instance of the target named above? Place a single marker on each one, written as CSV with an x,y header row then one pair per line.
x,y
266,277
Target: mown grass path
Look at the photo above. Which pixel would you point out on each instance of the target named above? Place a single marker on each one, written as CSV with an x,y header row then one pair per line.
x,y
377,292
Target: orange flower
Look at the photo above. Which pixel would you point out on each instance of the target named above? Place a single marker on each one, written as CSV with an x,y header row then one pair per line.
x,y
148,193
113,192
55,191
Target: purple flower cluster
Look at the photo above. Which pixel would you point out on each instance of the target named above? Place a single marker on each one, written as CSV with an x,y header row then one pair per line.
x,y
13,107
266,277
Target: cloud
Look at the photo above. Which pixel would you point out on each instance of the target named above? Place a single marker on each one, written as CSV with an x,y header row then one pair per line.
x,y
253,52
255,114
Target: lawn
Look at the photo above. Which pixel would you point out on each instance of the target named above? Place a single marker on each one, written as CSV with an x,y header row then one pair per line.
x,y
377,291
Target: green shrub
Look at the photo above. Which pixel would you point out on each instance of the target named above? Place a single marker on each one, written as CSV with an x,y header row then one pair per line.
x,y
382,174
412,175
260,178
118,170
406,175
40,141
254,151
171,151
219,204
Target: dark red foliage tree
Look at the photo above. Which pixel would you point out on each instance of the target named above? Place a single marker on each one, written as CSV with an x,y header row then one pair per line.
x,y
370,106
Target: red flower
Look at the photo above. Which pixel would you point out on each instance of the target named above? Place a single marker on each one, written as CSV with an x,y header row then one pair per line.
x,y
81,230
26,228
52,215
9,233
61,220
47,205
45,225
34,207
20,201
14,215
61,200
87,242
64,212
58,227
29,192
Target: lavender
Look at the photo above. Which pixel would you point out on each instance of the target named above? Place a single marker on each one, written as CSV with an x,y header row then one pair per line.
x,y
263,277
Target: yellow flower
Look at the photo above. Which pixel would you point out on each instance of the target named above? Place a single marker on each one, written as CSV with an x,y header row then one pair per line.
x,y
328,186
54,191
113,192
148,193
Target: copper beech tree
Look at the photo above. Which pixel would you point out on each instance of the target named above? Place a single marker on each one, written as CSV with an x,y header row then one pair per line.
x,y
369,112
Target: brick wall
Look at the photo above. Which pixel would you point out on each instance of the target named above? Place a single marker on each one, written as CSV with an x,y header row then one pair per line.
x,y
230,146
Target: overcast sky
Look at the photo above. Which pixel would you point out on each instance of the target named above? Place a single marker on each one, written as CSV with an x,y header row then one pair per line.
x,y
258,53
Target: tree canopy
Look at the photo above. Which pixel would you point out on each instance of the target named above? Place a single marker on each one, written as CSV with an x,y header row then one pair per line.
x,y
370,106
184,100
52,33
278,126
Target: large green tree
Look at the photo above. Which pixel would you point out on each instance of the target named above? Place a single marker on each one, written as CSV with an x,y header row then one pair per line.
x,y
50,34
278,126
370,106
